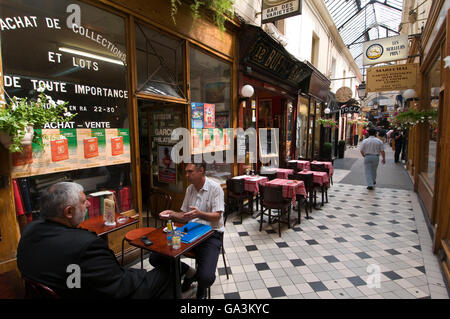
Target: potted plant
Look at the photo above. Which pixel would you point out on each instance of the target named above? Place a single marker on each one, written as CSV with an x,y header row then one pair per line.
x,y
20,117
326,150
341,148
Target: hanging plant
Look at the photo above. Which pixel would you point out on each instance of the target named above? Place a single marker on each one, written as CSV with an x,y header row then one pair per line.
x,y
351,122
221,8
412,117
326,122
21,116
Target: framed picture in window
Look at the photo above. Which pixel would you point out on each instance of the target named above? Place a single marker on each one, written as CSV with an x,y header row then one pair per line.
x,y
167,171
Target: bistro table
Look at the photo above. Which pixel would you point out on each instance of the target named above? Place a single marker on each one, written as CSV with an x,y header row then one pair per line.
x,y
159,246
301,164
290,188
282,173
252,182
328,165
97,224
320,178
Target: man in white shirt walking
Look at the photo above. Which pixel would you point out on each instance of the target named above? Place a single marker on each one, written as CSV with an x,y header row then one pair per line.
x,y
203,203
370,149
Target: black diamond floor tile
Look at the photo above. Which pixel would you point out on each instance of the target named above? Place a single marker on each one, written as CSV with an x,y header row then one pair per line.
x,y
331,259
282,245
318,286
232,295
297,262
276,292
312,242
363,255
392,275
392,252
357,281
251,248
262,266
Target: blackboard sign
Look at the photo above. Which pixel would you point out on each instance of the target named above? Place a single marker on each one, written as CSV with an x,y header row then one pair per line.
x,y
76,50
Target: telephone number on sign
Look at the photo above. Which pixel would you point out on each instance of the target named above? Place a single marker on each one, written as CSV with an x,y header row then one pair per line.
x,y
104,109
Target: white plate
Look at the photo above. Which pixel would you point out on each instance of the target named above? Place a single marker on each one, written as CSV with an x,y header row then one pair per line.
x,y
166,231
165,216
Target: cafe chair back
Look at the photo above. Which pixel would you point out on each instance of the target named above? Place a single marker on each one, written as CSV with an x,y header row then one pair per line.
x,y
270,175
272,199
157,202
307,180
236,193
293,166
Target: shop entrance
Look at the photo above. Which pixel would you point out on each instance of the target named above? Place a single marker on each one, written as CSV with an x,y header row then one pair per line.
x,y
157,120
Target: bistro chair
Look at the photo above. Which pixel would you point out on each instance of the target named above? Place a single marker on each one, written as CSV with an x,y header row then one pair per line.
x,y
36,290
191,254
307,180
156,203
236,192
272,199
133,235
322,189
293,166
270,175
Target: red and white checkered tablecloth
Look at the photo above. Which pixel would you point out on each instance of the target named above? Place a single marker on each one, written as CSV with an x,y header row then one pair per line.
x,y
319,177
290,188
328,165
252,182
283,172
301,164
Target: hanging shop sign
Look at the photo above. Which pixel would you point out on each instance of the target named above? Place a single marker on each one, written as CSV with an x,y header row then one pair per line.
x,y
350,109
79,59
385,50
273,10
392,78
261,52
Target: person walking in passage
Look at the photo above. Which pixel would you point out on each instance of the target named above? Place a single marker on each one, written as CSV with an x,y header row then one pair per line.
x,y
203,203
370,149
398,138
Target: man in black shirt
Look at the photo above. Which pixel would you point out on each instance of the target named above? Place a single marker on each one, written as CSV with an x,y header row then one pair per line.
x,y
53,251
398,138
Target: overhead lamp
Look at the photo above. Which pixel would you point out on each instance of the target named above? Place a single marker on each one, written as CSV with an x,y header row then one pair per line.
x,y
247,91
362,90
90,55
327,110
409,94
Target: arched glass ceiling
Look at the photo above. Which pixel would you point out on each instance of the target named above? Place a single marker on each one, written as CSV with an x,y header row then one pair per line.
x,y
364,20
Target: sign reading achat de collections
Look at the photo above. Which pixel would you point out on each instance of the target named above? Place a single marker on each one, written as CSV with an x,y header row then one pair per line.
x,y
273,10
385,50
392,78
79,58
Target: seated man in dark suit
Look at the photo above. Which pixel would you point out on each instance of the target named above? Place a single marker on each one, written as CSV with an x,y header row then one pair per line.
x,y
53,248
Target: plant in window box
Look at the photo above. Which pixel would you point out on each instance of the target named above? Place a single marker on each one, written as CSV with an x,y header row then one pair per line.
x,y
412,117
20,117
326,122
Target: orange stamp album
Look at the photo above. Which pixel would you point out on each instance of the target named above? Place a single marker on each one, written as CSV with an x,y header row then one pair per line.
x,y
60,150
117,145
90,147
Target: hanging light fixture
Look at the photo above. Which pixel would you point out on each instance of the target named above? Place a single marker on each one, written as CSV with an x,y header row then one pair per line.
x,y
362,90
247,91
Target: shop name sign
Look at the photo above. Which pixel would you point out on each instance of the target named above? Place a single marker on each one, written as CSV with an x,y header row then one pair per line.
x,y
392,78
277,62
348,109
385,50
273,10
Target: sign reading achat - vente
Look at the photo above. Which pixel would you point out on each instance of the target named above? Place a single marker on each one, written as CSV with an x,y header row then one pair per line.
x,y
80,59
385,50
273,10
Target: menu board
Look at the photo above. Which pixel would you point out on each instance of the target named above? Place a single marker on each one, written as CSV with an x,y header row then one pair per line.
x,y
77,51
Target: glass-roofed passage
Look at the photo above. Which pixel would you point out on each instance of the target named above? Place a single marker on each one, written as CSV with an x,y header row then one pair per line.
x,y
359,21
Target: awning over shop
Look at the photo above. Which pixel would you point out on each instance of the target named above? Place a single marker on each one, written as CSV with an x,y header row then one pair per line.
x,y
261,53
317,85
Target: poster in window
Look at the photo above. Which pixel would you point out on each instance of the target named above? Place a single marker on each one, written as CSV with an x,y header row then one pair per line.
x,y
196,115
208,140
197,141
222,119
218,140
166,166
209,115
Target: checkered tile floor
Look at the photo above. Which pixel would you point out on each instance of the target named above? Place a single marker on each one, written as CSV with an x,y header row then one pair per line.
x,y
361,244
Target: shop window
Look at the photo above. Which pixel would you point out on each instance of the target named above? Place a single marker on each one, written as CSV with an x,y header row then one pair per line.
x,y
317,136
434,81
302,127
78,52
289,120
157,120
159,63
210,84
